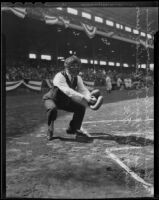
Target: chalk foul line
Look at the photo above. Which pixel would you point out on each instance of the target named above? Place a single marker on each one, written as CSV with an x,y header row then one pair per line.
x,y
118,120
149,187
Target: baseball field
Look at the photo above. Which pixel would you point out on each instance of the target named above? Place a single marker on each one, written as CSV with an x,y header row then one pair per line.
x,y
117,162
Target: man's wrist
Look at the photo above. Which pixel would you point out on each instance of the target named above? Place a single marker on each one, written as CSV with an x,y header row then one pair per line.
x,y
86,98
84,101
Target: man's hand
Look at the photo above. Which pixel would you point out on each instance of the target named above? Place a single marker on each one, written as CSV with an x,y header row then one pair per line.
x,y
91,100
94,101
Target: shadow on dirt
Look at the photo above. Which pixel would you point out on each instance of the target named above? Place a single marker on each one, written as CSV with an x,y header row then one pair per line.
x,y
81,139
131,140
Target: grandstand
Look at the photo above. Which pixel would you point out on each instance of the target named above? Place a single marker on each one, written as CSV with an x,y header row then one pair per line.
x,y
117,42
36,49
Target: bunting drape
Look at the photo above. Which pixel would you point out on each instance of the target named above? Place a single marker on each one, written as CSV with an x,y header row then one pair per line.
x,y
51,20
37,85
90,30
20,12
33,85
55,20
64,21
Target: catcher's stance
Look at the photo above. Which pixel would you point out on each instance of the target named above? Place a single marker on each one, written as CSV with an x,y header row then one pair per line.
x,y
69,93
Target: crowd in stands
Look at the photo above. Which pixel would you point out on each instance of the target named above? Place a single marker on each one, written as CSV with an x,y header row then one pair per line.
x,y
43,70
31,70
99,76
14,73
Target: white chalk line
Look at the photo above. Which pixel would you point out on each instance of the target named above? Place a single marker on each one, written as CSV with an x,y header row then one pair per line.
x,y
118,120
149,187
123,148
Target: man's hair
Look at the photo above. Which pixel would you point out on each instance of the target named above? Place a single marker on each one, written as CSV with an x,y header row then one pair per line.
x,y
72,60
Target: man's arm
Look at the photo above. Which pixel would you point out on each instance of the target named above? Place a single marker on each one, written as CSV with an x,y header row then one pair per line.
x,y
82,88
60,82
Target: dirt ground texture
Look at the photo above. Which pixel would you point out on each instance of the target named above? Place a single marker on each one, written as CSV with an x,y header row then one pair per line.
x,y
69,168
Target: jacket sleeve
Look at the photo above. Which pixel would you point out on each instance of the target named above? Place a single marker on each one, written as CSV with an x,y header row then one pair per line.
x,y
82,88
60,82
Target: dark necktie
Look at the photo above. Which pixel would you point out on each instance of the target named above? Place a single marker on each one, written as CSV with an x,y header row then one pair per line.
x,y
71,80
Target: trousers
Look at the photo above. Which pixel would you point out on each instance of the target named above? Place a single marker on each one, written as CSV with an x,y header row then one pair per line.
x,y
67,104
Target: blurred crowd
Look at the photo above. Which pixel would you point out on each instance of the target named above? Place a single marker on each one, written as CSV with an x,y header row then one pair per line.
x,y
14,73
97,74
118,78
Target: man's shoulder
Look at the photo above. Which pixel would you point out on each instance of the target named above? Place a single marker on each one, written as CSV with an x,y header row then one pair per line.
x,y
58,74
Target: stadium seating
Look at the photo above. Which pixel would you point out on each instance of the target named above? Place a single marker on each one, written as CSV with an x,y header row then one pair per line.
x,y
42,71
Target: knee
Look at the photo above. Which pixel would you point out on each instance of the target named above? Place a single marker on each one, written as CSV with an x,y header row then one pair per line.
x,y
45,97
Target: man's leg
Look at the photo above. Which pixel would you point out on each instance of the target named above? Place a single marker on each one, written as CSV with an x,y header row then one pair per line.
x,y
79,112
51,116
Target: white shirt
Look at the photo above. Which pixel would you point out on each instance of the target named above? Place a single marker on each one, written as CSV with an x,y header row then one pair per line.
x,y
108,80
119,81
78,96
108,83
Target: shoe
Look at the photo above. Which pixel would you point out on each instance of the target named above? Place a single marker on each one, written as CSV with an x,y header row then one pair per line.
x,y
49,135
82,137
80,133
70,131
83,130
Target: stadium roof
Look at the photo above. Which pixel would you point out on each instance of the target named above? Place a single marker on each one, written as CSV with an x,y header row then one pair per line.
x,y
141,19
128,15
42,34
120,12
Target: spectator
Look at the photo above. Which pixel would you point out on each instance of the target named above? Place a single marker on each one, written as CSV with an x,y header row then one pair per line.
x,y
108,84
119,83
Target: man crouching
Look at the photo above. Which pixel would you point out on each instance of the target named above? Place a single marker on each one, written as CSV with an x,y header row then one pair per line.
x,y
69,93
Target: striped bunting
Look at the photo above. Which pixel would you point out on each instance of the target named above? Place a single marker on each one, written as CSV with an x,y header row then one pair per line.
x,y
13,85
90,30
36,85
20,12
10,83
5,8
33,85
65,22
54,20
51,20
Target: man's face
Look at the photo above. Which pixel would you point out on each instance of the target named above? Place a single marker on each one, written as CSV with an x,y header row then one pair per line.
x,y
74,69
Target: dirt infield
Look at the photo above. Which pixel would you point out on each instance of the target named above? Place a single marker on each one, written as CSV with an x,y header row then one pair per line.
x,y
122,135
